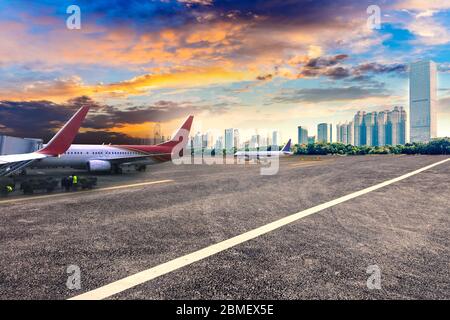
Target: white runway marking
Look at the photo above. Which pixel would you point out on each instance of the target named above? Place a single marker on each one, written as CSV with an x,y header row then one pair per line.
x,y
74,193
162,269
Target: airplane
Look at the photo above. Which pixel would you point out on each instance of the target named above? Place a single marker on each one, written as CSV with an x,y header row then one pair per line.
x,y
59,144
111,158
285,151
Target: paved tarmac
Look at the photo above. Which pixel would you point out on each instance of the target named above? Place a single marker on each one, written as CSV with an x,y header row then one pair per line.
x,y
150,218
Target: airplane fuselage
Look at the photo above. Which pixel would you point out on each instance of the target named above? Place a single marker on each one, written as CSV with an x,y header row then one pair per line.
x,y
262,154
79,156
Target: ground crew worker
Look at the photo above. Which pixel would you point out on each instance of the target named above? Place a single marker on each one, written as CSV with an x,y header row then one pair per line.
x,y
75,182
70,182
65,183
9,189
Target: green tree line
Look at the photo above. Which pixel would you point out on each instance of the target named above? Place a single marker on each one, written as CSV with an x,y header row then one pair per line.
x,y
435,146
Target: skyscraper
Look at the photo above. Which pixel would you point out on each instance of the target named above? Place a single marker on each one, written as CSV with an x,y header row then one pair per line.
x,y
344,133
371,129
302,135
255,141
236,141
198,141
393,127
359,134
396,126
402,126
422,100
229,138
275,138
219,144
324,132
381,124
350,133
377,129
207,140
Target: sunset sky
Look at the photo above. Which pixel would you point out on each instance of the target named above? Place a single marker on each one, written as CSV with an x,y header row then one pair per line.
x,y
242,64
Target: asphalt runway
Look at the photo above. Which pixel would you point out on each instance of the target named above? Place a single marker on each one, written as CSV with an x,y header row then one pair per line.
x,y
138,221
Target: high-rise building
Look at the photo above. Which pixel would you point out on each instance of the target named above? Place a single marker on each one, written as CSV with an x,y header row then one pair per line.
x,y
157,133
344,133
311,139
371,129
262,141
236,140
359,129
393,128
422,101
396,126
324,132
219,144
255,141
207,140
377,129
341,133
402,126
338,132
331,132
302,135
229,139
198,143
276,138
381,125
350,133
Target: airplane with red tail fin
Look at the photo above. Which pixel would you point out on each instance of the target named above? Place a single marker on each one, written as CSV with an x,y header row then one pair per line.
x,y
57,146
111,158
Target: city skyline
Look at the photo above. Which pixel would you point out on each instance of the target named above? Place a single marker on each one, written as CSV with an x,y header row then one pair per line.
x,y
231,64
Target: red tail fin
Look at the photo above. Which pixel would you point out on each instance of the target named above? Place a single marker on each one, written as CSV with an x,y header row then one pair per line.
x,y
182,135
64,138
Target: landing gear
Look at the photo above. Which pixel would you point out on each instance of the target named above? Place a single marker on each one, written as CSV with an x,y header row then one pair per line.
x,y
141,168
116,169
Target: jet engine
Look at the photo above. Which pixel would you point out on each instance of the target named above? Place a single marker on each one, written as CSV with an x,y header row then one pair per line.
x,y
99,165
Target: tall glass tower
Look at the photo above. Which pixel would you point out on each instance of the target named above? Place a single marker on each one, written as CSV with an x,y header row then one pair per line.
x,y
422,101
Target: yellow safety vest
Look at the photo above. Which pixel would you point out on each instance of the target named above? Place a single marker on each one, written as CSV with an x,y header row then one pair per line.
x,y
9,189
75,179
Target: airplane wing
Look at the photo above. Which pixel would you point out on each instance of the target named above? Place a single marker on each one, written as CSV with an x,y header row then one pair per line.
x,y
57,146
133,159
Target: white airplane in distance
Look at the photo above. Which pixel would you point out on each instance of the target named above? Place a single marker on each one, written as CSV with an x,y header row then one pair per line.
x,y
57,146
110,158
285,151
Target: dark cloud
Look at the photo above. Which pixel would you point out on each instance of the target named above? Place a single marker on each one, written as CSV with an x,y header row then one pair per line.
x,y
107,137
172,12
39,119
329,67
329,94
337,73
378,68
264,77
324,66
33,119
162,111
321,62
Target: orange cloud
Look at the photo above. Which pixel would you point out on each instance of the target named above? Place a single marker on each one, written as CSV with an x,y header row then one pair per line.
x,y
63,89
